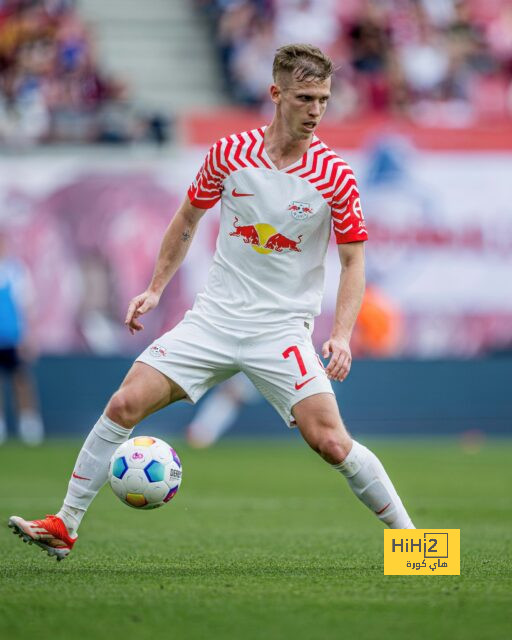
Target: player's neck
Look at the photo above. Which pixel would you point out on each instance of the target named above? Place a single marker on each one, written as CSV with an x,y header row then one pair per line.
x,y
282,147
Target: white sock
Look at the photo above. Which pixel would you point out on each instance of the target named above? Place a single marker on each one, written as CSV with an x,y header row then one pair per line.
x,y
213,419
371,484
30,427
91,469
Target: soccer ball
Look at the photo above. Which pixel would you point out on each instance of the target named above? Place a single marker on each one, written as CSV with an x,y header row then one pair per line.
x,y
145,472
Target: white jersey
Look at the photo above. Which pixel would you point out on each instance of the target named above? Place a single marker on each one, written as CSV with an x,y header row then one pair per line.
x,y
274,229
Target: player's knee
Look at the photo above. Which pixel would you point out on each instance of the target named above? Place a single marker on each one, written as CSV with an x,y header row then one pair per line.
x,y
123,410
331,441
332,447
328,437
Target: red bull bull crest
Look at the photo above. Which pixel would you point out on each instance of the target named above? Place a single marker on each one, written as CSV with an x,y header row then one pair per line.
x,y
265,238
300,210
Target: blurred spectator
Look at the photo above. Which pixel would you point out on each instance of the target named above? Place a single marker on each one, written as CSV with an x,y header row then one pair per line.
x,y
238,24
369,47
15,296
379,328
316,18
51,86
250,68
442,62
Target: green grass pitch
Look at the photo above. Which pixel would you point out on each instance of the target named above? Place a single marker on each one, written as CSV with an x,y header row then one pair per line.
x,y
263,541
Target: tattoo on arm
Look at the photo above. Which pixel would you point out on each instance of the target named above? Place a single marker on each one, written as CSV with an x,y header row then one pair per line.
x,y
185,236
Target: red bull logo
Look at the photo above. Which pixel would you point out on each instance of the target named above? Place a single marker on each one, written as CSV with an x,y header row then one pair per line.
x,y
278,242
264,238
248,233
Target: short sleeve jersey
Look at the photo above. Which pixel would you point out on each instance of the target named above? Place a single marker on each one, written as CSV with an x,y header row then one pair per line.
x,y
274,229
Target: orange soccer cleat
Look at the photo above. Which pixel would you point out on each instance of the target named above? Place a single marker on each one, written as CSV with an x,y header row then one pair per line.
x,y
50,534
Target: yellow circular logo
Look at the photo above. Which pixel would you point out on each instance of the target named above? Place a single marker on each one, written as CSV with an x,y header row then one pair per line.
x,y
265,231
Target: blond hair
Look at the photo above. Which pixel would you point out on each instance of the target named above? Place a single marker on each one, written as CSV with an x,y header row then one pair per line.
x,y
304,61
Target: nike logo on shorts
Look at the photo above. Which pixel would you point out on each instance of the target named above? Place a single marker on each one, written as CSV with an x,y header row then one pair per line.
x,y
235,194
303,384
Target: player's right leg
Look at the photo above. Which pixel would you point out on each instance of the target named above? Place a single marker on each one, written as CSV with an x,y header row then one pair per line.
x,y
143,391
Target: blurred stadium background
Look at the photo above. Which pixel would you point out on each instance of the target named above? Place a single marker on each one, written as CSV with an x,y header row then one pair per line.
x,y
106,111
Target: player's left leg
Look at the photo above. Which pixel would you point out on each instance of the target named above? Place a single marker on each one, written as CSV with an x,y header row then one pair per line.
x,y
321,426
287,371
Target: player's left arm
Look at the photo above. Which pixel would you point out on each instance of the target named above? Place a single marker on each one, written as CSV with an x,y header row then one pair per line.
x,y
348,303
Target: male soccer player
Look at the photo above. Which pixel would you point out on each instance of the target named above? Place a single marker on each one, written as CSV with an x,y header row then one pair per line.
x,y
281,191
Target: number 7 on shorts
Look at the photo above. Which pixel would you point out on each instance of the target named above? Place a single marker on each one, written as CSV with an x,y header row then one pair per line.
x,y
295,350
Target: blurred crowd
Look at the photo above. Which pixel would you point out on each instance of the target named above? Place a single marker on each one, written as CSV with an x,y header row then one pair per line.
x,y
52,88
446,62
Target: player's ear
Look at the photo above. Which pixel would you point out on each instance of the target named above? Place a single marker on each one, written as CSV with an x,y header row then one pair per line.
x,y
275,93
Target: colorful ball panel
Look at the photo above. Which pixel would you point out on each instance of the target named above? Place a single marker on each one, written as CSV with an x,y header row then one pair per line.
x,y
119,468
172,493
136,499
155,471
175,457
143,441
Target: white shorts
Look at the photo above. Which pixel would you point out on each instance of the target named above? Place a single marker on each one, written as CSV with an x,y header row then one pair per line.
x,y
281,362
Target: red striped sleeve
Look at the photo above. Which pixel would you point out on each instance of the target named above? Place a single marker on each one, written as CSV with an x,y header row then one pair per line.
x,y
206,189
346,212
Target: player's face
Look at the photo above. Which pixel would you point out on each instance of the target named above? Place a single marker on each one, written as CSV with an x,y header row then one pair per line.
x,y
301,104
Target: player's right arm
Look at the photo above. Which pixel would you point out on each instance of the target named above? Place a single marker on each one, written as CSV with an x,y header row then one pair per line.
x,y
203,193
173,250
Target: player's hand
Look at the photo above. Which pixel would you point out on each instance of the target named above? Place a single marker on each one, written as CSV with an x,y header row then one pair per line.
x,y
341,358
138,306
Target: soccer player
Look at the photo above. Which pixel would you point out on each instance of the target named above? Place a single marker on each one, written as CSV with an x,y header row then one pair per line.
x,y
15,298
281,191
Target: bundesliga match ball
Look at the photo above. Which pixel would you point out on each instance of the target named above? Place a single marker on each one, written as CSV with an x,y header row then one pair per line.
x,y
145,472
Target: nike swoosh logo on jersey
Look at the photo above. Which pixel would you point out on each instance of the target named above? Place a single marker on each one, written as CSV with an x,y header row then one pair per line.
x,y
302,384
240,195
75,475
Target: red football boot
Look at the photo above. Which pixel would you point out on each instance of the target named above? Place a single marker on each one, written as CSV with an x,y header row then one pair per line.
x,y
50,534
